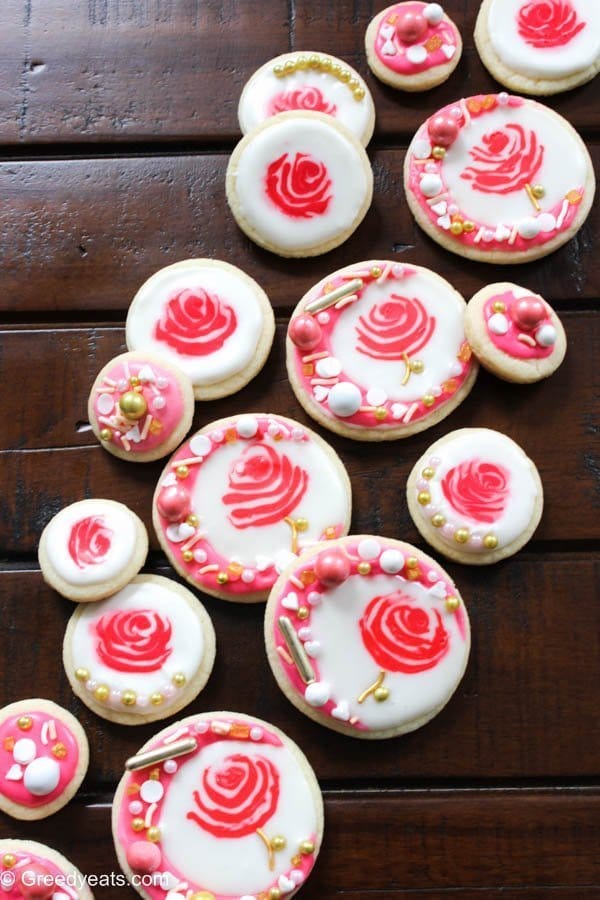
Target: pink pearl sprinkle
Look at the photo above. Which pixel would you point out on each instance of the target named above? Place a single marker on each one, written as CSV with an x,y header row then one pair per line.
x,y
115,696
434,461
170,766
448,531
476,540
422,484
136,807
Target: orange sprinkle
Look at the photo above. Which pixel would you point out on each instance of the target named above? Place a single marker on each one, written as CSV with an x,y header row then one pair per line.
x,y
474,106
9,743
464,354
231,436
155,426
133,788
450,386
433,43
240,731
308,369
489,102
574,197
308,577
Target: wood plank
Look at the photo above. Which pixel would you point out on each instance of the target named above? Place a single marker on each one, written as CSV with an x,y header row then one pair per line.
x,y
84,235
527,706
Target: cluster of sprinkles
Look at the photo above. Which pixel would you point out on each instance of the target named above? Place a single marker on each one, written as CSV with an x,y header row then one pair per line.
x,y
129,408
319,62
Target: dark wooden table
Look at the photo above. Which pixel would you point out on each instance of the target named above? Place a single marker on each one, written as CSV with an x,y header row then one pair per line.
x,y
116,121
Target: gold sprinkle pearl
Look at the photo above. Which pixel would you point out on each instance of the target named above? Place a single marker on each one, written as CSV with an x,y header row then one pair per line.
x,y
301,524
202,895
413,574
456,228
182,471
363,568
59,751
132,405
461,535
428,472
302,62
134,381
82,674
498,306
326,64
424,497
438,520
222,577
278,71
274,893
303,612
314,61
438,152
102,693
376,271
156,699
381,693
128,698
179,679
277,842
105,434
289,67
137,824
538,191
417,366
187,556
468,226
153,834
9,860
25,723
306,848
380,413
428,400
359,93
490,541
452,604
192,520
412,562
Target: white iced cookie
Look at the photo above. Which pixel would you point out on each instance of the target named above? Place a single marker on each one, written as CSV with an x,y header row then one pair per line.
x,y
299,184
36,872
475,496
218,805
142,654
208,318
367,636
539,46
309,82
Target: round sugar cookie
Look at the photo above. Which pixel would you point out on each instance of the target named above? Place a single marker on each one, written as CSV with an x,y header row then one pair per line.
x,y
539,46
377,350
44,757
367,636
91,549
209,318
514,333
142,654
299,184
310,82
499,179
237,815
36,872
475,496
413,46
242,497
140,407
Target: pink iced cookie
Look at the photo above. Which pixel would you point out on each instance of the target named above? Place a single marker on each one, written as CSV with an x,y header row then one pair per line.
x,y
140,407
413,46
43,758
222,803
35,872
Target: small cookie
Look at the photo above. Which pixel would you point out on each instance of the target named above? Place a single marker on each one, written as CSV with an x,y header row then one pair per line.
x,y
367,636
475,496
207,317
312,82
299,184
35,872
413,46
539,46
242,497
499,179
229,806
514,333
142,654
91,549
140,407
44,757
377,350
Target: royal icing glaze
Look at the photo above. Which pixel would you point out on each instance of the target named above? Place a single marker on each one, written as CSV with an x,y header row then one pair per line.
x,y
138,649
206,317
389,352
244,794
240,498
301,183
520,324
545,38
311,82
91,542
497,173
415,37
35,875
385,636
478,491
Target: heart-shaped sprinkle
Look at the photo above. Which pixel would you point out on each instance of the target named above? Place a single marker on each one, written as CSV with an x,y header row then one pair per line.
x,y
169,480
179,533
398,410
341,711
285,884
440,209
438,590
262,563
320,392
290,601
146,374
313,648
444,222
448,50
305,634
15,773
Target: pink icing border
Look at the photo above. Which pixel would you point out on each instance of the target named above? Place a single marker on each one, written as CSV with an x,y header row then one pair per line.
x,y
508,343
24,859
203,731
446,30
476,238
15,791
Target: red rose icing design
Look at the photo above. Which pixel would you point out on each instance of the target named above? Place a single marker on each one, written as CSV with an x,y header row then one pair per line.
x,y
90,541
307,97
509,159
395,327
548,23
195,323
134,640
299,186
402,636
264,487
478,490
236,797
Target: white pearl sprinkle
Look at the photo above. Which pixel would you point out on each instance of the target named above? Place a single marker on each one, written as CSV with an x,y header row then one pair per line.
x,y
368,549
434,13
247,426
431,185
498,323
344,399
151,791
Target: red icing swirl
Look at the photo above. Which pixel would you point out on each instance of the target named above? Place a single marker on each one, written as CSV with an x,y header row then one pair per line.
x,y
548,23
478,490
237,796
306,97
195,323
397,326
402,636
509,159
299,186
135,640
90,541
264,487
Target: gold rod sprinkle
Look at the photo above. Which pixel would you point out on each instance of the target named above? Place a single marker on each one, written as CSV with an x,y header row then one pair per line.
x,y
151,757
406,361
297,651
330,299
532,197
267,844
372,688
289,521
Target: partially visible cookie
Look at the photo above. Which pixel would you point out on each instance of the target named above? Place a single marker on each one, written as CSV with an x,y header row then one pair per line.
x,y
514,333
413,46
36,872
299,184
43,758
91,549
142,654
209,318
539,46
312,82
475,496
